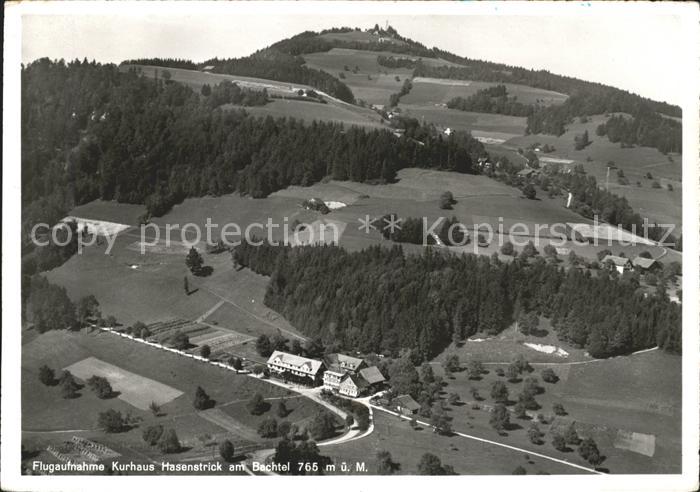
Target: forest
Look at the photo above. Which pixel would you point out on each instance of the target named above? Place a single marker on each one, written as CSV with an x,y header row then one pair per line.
x,y
381,300
89,131
491,100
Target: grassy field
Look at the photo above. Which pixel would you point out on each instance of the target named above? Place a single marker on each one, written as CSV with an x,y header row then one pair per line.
x,y
607,399
658,204
372,82
407,446
49,419
499,126
309,112
430,91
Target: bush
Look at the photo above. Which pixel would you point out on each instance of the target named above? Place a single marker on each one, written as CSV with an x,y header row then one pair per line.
x,y
227,451
268,428
549,376
257,405
558,409
100,386
47,375
202,400
111,421
169,442
558,442
152,434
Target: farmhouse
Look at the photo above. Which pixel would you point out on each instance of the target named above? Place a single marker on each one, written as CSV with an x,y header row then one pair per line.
x,y
619,263
406,405
352,385
372,375
338,365
295,368
208,68
645,264
527,172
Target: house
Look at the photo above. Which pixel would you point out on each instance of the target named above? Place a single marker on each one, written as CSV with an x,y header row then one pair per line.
x,y
208,68
448,131
352,385
527,172
337,366
619,263
406,405
295,368
646,264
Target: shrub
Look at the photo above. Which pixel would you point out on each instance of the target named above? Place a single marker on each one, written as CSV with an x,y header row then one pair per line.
x,y
268,428
152,434
47,375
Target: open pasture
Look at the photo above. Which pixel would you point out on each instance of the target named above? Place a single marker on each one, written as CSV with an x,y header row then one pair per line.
x,y
630,405
430,91
500,126
96,227
133,389
310,112
110,211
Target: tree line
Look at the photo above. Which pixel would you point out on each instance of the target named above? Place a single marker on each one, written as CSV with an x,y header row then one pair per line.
x,y
380,300
491,100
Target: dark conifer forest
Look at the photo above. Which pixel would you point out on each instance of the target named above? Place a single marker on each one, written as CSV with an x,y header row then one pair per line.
x,y
381,300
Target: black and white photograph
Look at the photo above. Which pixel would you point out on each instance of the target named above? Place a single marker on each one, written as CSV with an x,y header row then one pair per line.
x,y
371,241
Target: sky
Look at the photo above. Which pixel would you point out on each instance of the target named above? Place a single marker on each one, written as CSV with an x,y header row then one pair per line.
x,y
635,49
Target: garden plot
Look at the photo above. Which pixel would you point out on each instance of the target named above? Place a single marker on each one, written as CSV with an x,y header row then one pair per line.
x,y
97,227
636,442
133,389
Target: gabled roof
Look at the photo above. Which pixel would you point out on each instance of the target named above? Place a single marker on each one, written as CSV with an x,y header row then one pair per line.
x,y
617,260
342,361
372,375
356,380
406,401
642,262
309,366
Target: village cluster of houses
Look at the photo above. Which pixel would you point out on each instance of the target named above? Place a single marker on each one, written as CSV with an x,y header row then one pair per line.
x,y
349,376
623,264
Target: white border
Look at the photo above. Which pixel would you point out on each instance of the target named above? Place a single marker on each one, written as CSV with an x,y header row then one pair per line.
x,y
10,477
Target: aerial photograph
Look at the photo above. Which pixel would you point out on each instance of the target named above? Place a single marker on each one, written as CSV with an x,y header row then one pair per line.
x,y
265,244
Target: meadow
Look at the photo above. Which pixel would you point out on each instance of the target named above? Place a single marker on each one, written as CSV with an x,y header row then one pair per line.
x,y
499,126
430,91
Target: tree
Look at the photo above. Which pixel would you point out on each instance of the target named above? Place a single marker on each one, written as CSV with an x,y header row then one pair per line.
x,y
152,434
282,410
507,249
169,442
499,391
201,399
431,465
549,376
322,426
558,442
570,435
47,375
427,374
529,191
111,421
268,428
520,410
187,285
453,399
227,451
440,420
154,408
451,363
385,463
529,250
522,364
69,386
500,418
205,351
349,421
589,451
296,348
512,372
284,429
534,433
550,251
180,341
88,308
257,405
166,75
263,345
194,261
100,386
475,393
447,200
519,471
110,321
206,90
558,409
474,369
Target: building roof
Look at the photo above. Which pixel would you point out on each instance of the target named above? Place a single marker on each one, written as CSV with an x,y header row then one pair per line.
x,y
342,361
372,375
406,401
208,67
642,262
526,172
296,362
617,260
356,380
